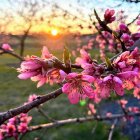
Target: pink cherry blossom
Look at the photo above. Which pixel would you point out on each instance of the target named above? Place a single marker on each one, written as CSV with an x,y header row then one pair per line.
x,y
7,47
128,79
123,28
12,120
10,129
92,69
51,76
22,128
110,83
78,87
109,114
135,36
85,58
134,109
128,61
41,69
138,22
32,97
1,135
31,67
92,108
109,16
15,126
123,102
137,93
125,37
45,53
24,118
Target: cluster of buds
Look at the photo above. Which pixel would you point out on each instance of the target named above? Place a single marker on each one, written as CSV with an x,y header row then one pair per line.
x,y
126,36
15,126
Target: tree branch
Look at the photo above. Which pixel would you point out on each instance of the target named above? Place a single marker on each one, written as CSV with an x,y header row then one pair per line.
x,y
106,28
79,120
27,107
12,53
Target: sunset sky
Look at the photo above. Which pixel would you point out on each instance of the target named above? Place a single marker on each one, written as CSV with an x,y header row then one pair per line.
x,y
85,7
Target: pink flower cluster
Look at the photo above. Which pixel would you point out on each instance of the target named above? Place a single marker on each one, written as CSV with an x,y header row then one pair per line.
x,y
123,74
127,37
15,126
96,81
41,69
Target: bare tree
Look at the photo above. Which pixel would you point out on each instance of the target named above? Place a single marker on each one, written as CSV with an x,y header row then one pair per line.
x,y
29,13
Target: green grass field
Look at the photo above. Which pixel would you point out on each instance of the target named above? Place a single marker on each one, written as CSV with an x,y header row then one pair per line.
x,y
14,92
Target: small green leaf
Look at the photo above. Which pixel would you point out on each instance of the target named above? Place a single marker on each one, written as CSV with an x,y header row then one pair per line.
x,y
108,62
66,57
82,102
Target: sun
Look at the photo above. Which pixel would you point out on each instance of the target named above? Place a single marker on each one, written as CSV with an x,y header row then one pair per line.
x,y
54,32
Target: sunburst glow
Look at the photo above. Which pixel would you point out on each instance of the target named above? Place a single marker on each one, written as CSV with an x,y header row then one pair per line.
x,y
54,32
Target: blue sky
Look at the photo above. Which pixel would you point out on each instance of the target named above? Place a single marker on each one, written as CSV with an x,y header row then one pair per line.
x,y
87,6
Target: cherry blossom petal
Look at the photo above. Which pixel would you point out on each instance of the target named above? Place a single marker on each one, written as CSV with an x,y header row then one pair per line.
x,y
127,75
88,90
74,97
71,75
45,53
104,91
117,80
7,47
107,78
88,78
30,65
67,88
119,88
62,74
41,82
26,75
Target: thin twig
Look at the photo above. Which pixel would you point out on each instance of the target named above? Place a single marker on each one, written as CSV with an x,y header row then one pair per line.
x,y
133,20
41,111
79,120
112,129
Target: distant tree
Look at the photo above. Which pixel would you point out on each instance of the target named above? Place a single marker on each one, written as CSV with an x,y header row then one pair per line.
x,y
29,13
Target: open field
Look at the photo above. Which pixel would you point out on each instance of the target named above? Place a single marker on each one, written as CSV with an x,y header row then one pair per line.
x,y
14,92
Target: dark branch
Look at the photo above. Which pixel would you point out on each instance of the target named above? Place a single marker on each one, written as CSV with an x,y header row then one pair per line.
x,y
12,53
25,108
